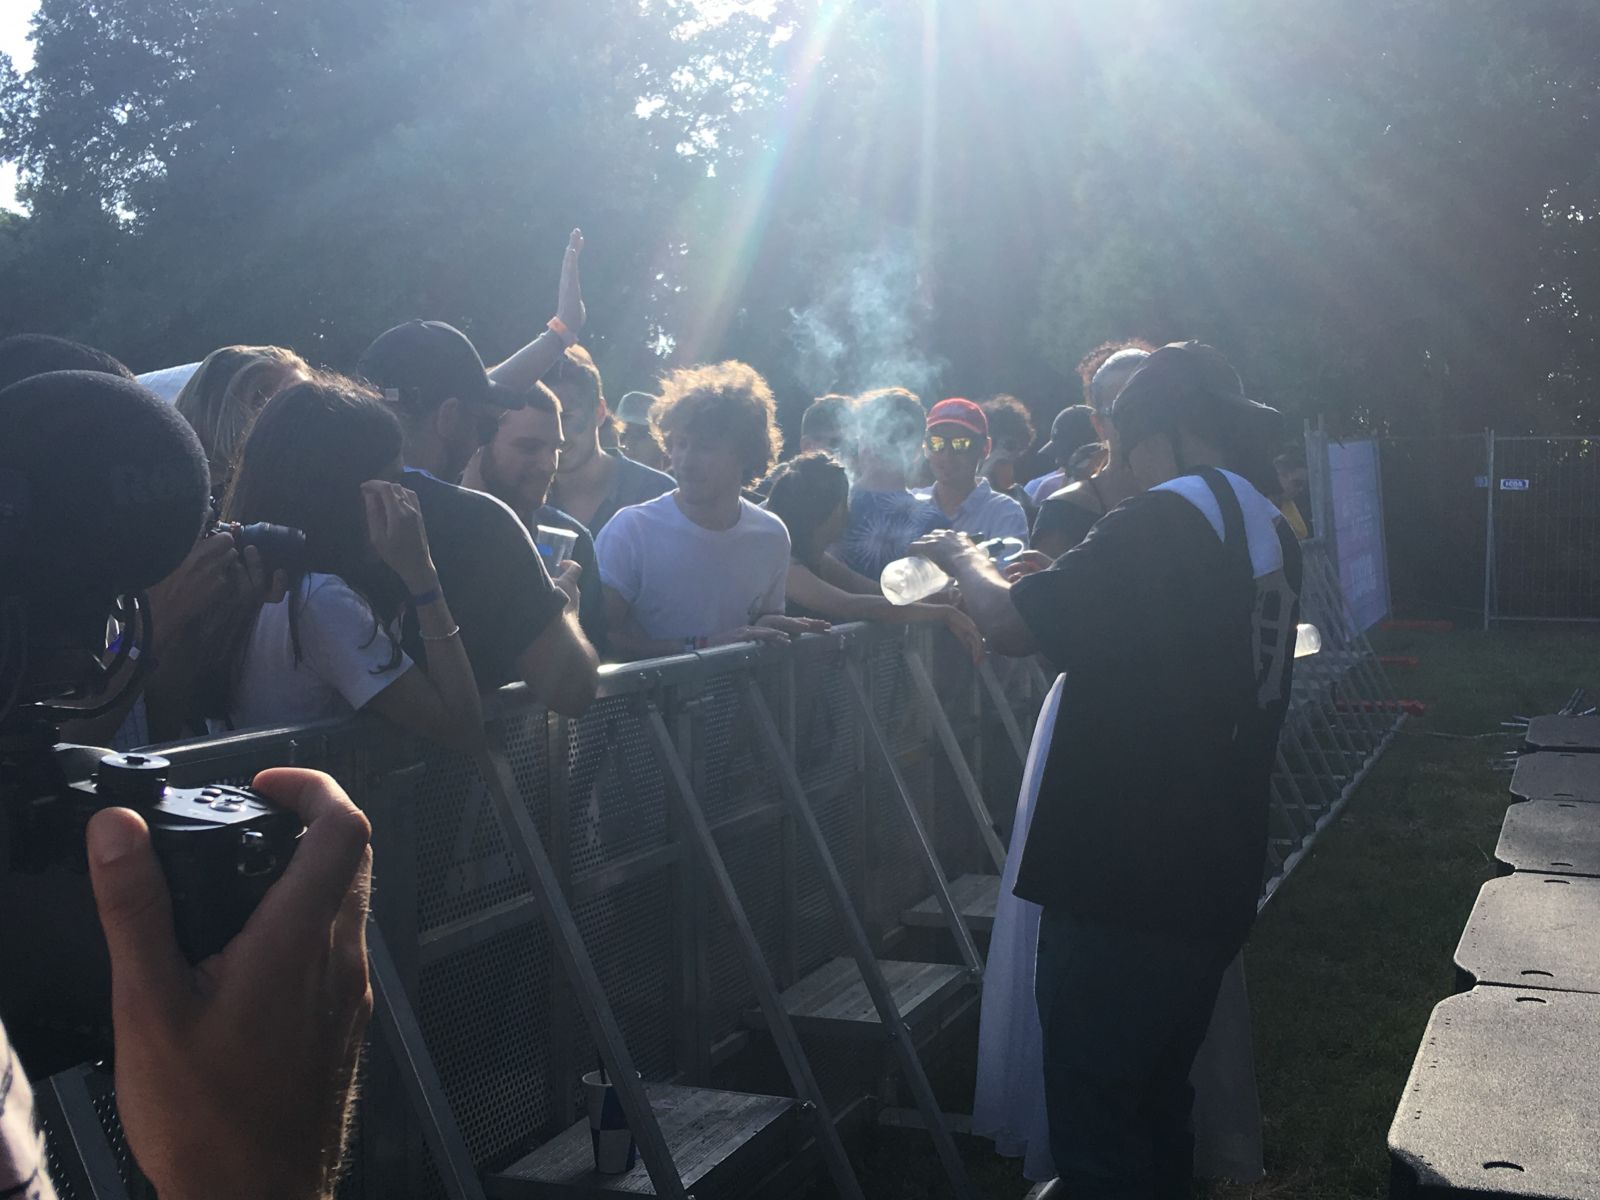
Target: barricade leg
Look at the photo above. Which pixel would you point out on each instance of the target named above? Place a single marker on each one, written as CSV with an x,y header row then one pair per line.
x,y
766,988
930,861
860,948
526,844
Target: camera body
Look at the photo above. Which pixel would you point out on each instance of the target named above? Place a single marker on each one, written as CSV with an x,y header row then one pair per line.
x,y
220,849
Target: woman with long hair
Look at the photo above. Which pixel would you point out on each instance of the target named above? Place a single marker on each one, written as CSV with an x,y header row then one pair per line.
x,y
323,457
811,496
225,393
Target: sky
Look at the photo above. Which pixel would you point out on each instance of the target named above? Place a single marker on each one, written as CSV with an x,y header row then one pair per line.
x,y
14,16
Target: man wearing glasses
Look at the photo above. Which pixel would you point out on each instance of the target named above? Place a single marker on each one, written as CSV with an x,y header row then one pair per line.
x,y
956,445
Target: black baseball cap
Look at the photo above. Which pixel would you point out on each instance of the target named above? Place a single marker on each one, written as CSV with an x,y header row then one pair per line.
x,y
435,361
1190,386
1072,430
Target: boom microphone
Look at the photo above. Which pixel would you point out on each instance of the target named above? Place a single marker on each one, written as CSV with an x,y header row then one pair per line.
x,y
103,489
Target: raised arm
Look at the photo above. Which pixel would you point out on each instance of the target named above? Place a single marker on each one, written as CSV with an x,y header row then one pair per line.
x,y
533,362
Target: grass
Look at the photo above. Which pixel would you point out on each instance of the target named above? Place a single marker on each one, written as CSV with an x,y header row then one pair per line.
x,y
1354,951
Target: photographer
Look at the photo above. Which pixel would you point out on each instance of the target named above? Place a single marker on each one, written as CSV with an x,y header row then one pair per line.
x,y
1174,620
233,1076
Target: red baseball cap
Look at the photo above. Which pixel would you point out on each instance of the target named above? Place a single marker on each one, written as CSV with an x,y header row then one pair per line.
x,y
959,412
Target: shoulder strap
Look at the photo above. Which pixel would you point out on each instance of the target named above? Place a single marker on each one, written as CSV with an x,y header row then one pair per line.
x,y
1236,542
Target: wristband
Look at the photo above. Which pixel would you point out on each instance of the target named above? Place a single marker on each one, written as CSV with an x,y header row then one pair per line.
x,y
559,327
423,599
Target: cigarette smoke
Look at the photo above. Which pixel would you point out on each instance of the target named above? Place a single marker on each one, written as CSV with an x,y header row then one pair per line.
x,y
867,328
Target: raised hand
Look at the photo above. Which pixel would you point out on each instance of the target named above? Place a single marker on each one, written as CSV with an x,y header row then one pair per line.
x,y
570,310
394,524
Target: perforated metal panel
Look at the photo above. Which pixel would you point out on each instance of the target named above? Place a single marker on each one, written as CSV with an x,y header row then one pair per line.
x,y
617,801
629,934
485,1014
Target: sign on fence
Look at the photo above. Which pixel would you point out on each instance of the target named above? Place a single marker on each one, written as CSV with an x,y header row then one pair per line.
x,y
1358,529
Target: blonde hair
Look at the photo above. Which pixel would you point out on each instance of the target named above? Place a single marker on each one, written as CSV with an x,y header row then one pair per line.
x,y
226,392
728,399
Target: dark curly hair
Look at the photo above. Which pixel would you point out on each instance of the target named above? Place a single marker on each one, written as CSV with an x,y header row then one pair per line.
x,y
728,399
1010,423
803,493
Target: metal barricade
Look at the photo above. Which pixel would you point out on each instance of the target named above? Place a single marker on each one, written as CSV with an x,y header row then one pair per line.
x,y
907,757
1545,506
1506,529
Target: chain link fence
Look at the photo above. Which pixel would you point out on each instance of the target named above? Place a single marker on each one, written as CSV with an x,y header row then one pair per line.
x,y
1492,529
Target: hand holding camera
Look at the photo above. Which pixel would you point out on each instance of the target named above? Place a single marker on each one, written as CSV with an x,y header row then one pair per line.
x,y
239,1068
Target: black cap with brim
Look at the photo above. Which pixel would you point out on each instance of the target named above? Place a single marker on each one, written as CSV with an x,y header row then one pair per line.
x,y
1072,430
1189,385
435,361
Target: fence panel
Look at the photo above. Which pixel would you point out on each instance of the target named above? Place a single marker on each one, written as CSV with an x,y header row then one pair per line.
x,y
1434,521
1546,529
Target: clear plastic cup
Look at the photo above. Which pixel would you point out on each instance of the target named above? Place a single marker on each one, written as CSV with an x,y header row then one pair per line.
x,y
555,543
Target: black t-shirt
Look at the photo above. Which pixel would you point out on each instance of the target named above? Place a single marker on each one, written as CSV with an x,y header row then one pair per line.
x,y
591,603
493,579
1060,517
1152,813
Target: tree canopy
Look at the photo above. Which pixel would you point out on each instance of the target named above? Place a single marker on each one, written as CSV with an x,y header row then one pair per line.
x,y
1384,214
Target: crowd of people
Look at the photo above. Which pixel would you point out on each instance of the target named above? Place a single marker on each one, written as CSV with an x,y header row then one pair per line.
x,y
463,526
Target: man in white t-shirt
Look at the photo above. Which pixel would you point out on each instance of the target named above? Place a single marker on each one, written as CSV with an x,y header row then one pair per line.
x,y
701,566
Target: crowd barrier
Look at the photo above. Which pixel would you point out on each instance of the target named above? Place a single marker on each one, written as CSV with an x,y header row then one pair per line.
x,y
675,883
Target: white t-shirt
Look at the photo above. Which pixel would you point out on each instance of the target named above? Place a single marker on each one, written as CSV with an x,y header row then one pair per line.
x,y
343,663
683,580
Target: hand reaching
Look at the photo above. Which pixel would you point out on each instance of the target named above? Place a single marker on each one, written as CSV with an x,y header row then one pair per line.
x,y
793,626
965,632
570,310
942,547
746,633
1029,562
234,1077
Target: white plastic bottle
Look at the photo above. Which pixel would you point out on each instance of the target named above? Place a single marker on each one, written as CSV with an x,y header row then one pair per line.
x,y
907,580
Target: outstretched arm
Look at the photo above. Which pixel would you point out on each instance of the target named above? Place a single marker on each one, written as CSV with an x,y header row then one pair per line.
x,y
985,595
533,362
